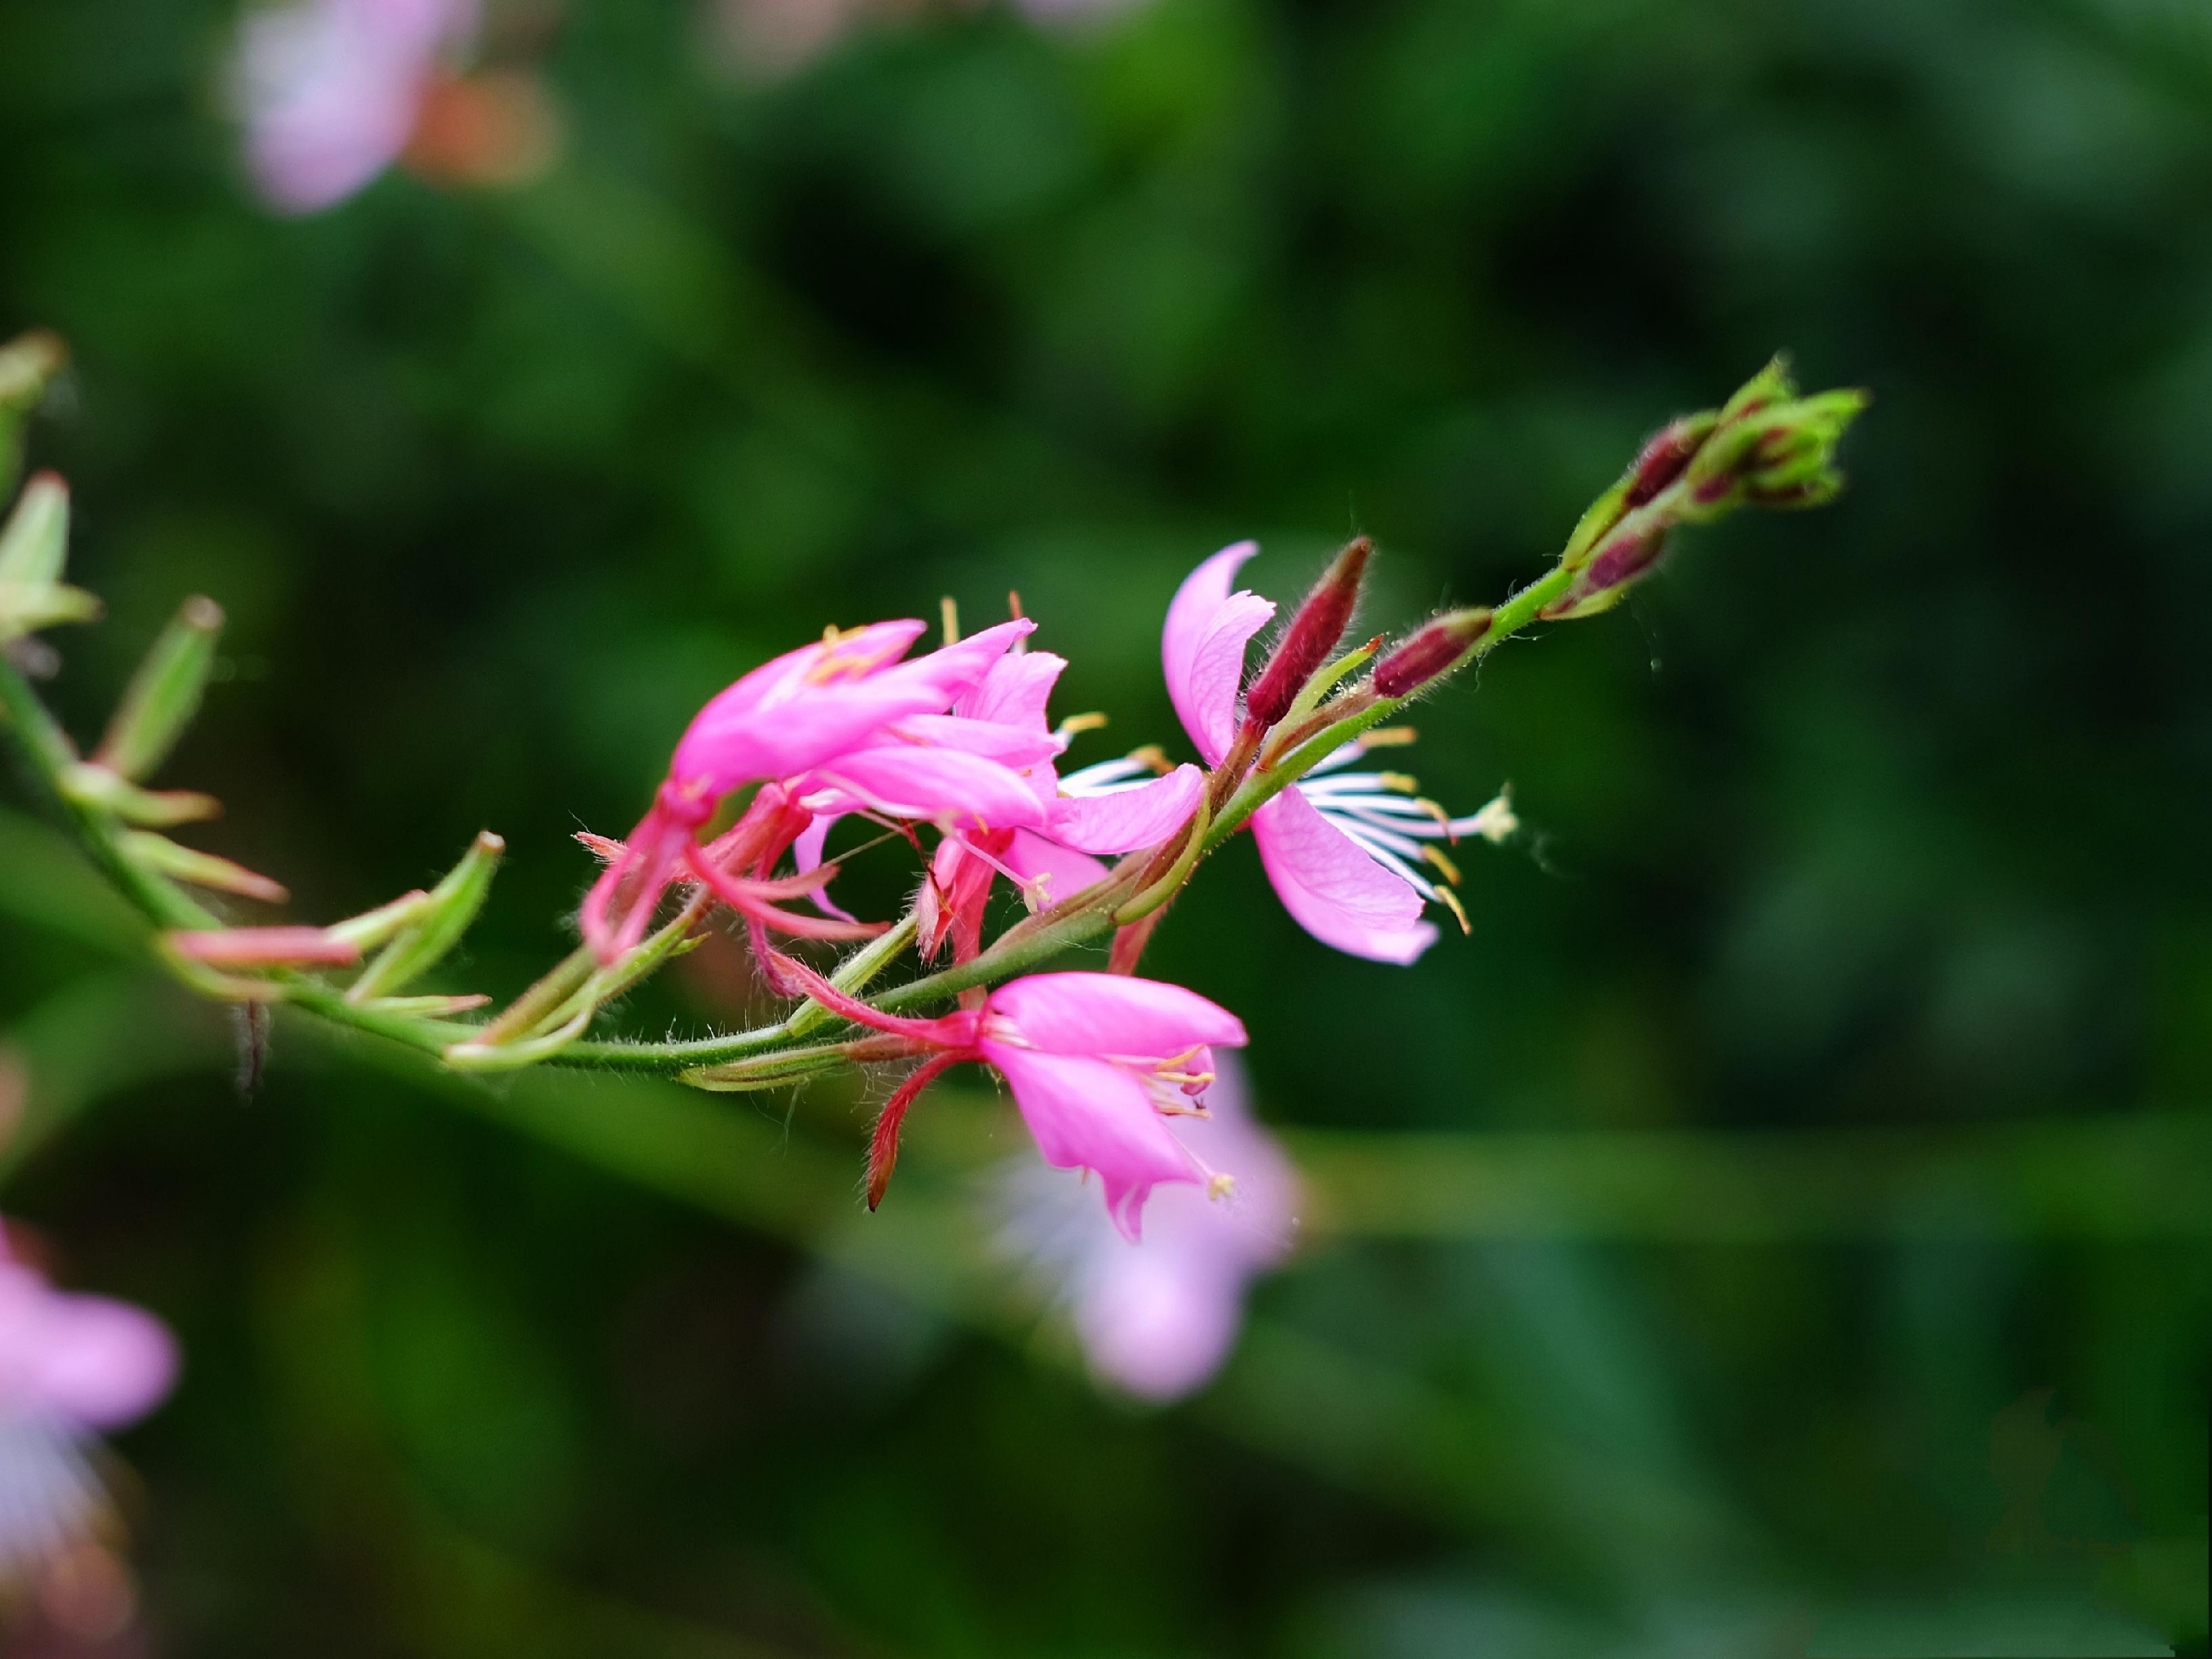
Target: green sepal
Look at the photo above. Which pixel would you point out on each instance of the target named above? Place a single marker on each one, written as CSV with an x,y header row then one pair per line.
x,y
164,693
28,363
452,906
197,869
34,545
102,790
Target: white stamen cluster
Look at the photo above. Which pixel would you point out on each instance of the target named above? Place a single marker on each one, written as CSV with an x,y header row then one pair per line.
x,y
1396,827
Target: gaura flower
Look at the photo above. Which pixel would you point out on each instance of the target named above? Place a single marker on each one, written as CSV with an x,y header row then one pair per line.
x,y
1158,1318
838,726
70,1366
1340,847
333,89
1116,807
1099,1064
332,92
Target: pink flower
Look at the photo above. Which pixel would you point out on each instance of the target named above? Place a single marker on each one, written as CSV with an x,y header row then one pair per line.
x,y
1098,1065
1115,807
1341,848
838,726
332,90
69,1366
1159,1317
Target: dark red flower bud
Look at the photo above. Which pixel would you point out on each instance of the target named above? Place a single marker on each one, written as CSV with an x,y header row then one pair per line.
x,y
1312,635
1669,450
1430,652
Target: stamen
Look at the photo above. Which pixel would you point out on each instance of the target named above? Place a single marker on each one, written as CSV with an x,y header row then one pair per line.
x,y
1496,822
1389,737
1079,723
1435,855
1152,755
1403,782
948,612
1451,902
1434,810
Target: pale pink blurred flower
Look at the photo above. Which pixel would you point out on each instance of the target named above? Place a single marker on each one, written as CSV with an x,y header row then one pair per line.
x,y
1158,1318
1341,848
70,1366
332,90
838,726
1065,12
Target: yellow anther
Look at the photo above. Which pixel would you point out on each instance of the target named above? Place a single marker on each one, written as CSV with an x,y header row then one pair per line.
x,y
948,610
1014,604
1403,782
1389,737
1220,1186
1152,756
1451,902
1434,809
1435,855
1075,723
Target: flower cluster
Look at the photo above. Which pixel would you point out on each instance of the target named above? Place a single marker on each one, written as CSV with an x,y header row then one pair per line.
x,y
952,752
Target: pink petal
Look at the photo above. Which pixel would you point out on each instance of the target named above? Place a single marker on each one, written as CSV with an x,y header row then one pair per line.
x,y
331,90
1333,890
1202,647
1066,871
1009,744
958,668
1081,1013
1122,821
906,781
92,1361
733,742
1085,1113
1016,690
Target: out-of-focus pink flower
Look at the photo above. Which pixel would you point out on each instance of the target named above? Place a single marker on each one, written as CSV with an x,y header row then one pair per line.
x,y
332,90
1076,11
1098,1065
1157,1318
1115,807
840,724
1341,848
69,1367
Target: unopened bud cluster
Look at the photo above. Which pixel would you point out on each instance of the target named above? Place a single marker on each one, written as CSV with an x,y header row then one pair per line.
x,y
1766,447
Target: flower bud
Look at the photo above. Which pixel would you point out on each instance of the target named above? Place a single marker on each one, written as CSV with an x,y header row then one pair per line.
x,y
36,539
34,546
265,947
453,905
27,364
1313,634
164,695
1609,574
1665,455
1430,652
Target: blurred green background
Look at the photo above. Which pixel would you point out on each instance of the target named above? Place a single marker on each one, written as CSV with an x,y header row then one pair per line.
x,y
1829,1072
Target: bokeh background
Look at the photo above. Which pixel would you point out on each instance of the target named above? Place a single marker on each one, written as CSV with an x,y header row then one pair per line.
x,y
1781,1225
